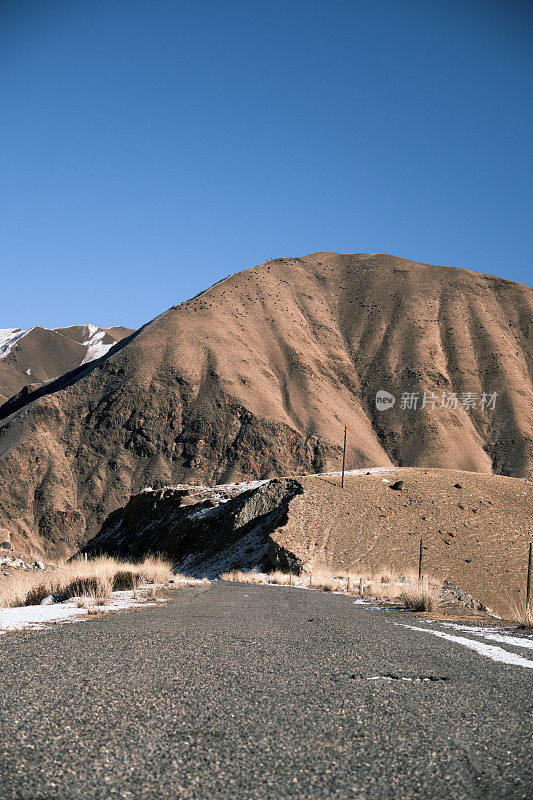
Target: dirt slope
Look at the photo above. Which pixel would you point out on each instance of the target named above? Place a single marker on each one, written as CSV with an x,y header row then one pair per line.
x,y
256,377
38,354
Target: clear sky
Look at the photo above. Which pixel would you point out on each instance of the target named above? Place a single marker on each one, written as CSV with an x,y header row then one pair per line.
x,y
149,148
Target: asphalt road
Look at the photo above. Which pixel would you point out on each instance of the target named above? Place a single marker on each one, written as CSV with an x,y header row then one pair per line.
x,y
236,691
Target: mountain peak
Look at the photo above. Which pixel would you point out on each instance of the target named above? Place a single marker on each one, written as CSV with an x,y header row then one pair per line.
x,y
40,354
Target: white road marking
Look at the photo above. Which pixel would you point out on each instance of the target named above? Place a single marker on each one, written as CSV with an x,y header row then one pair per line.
x,y
493,634
487,650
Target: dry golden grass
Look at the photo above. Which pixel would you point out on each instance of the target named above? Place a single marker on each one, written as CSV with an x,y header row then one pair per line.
x,y
94,579
522,615
155,569
378,590
278,577
323,579
388,576
382,585
241,576
420,595
372,585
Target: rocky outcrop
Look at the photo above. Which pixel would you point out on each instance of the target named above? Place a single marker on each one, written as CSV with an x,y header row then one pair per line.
x,y
204,532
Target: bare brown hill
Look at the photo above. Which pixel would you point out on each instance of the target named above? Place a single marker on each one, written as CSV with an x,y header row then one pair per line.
x,y
475,528
257,376
34,356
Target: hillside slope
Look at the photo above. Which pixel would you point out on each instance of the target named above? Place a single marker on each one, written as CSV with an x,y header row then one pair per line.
x,y
257,376
36,355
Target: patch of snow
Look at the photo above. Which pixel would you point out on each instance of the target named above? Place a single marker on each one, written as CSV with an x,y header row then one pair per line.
x,y
91,330
487,650
348,472
189,581
95,346
202,512
40,617
9,337
36,617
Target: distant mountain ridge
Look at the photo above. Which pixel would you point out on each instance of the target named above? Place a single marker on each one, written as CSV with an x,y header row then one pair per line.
x,y
256,378
37,354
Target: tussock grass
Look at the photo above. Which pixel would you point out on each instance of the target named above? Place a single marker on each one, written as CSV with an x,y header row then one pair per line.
x,y
420,595
378,590
94,579
155,569
388,576
522,615
324,579
242,576
278,577
382,584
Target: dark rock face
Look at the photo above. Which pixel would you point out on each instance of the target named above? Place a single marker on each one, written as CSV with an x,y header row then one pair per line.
x,y
206,537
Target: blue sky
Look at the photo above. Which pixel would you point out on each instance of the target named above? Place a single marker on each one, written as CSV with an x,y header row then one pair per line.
x,y
148,148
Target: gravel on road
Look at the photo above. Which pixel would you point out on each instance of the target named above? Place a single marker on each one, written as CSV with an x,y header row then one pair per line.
x,y
241,691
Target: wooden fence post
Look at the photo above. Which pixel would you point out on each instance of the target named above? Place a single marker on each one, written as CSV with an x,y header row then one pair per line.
x,y
420,562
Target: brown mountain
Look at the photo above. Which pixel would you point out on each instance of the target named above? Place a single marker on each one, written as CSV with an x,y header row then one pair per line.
x,y
36,355
257,376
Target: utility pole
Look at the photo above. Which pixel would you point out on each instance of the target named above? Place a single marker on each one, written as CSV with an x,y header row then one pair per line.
x,y
343,458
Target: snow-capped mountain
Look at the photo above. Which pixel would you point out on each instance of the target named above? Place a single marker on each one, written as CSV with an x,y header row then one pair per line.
x,y
35,355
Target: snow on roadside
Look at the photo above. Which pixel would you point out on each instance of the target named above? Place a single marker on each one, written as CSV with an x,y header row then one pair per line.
x,y
483,649
40,617
36,617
